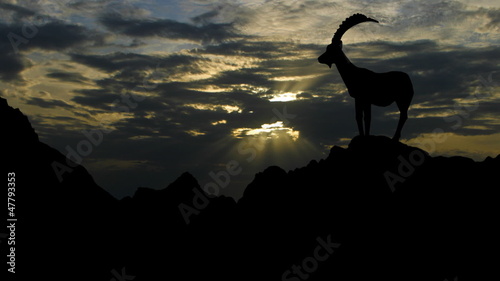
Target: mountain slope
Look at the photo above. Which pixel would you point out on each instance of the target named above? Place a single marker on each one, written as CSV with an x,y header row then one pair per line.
x,y
55,218
398,213
376,210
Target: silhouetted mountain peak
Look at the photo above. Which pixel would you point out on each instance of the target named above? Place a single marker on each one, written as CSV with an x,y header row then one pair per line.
x,y
272,170
490,159
187,179
273,176
16,124
182,189
373,154
336,151
40,162
379,146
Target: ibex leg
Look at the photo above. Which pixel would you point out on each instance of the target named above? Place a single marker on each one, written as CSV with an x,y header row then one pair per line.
x,y
359,116
402,119
367,111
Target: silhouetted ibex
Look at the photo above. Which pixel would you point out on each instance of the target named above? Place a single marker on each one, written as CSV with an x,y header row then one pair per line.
x,y
366,86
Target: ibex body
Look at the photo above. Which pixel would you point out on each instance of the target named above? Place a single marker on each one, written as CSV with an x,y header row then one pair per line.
x,y
366,86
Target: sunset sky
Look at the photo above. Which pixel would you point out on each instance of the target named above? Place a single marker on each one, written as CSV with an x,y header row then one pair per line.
x,y
176,86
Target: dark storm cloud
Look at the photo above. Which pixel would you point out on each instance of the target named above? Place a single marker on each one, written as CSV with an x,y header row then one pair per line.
x,y
381,49
260,49
129,73
58,36
95,98
74,77
47,103
207,33
53,36
243,76
27,30
11,66
122,61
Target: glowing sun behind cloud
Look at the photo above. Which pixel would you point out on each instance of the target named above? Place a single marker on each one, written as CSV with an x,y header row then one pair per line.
x,y
282,97
271,131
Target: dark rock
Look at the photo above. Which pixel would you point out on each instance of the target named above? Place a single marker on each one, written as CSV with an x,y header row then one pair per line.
x,y
394,212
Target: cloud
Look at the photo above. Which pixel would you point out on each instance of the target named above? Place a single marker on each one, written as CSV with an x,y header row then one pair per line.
x,y
58,36
52,36
131,61
11,66
494,17
17,12
95,98
47,103
167,28
73,77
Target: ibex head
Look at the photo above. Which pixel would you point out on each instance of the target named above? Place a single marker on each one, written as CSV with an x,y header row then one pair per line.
x,y
333,51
